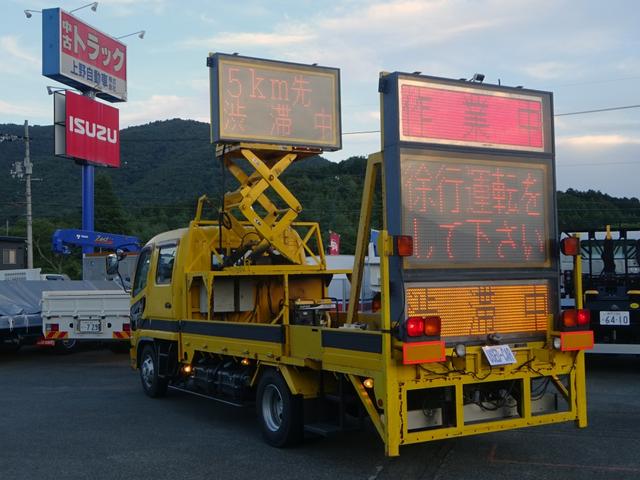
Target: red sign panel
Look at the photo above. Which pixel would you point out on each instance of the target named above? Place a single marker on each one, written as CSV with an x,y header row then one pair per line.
x,y
449,114
91,57
334,243
475,212
92,131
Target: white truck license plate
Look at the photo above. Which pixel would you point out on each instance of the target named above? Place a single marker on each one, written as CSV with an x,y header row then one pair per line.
x,y
90,326
614,318
498,355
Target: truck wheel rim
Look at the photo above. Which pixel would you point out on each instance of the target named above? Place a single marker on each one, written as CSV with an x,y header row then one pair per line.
x,y
272,408
147,371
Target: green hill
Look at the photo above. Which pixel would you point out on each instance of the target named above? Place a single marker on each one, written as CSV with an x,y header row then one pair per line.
x,y
167,165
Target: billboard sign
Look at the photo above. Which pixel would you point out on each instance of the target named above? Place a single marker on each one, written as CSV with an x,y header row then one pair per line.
x,y
475,211
472,115
86,130
264,101
78,55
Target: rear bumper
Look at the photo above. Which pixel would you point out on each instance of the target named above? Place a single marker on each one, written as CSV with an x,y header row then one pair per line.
x,y
453,398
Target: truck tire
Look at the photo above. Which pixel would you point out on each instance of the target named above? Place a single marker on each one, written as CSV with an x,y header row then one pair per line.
x,y
279,412
152,384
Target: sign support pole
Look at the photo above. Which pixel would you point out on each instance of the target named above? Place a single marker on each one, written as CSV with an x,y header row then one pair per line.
x,y
87,202
87,192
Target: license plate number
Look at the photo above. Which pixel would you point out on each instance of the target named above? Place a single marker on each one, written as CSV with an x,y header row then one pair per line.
x,y
614,318
90,326
499,355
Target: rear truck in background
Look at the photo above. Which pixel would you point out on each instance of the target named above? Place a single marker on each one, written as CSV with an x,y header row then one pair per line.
x,y
469,338
610,275
71,317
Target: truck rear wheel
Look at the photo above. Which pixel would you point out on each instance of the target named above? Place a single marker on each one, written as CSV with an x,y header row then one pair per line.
x,y
152,384
279,411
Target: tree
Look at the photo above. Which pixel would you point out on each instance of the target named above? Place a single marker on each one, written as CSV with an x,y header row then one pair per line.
x,y
109,214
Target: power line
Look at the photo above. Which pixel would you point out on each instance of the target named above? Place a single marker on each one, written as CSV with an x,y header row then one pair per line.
x,y
608,109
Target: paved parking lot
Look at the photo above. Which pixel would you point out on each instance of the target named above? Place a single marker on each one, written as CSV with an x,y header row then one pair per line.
x,y
85,416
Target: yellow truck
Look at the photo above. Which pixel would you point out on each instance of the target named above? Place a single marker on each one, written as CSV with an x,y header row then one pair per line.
x,y
469,337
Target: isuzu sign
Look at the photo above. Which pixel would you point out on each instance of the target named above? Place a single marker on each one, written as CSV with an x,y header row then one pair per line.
x,y
91,130
82,57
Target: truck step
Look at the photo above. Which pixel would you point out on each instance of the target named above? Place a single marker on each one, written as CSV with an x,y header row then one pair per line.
x,y
322,429
327,429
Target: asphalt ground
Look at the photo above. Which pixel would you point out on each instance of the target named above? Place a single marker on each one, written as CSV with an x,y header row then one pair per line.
x,y
85,416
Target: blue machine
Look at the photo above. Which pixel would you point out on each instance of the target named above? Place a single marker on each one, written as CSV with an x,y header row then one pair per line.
x,y
63,239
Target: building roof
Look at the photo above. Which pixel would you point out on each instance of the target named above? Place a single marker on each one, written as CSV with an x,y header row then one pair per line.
x,y
4,238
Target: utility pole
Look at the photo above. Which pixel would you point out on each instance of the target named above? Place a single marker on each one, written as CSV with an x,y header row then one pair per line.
x,y
28,170
20,170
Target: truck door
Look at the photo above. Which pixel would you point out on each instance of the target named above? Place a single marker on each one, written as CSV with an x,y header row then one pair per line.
x,y
160,281
139,291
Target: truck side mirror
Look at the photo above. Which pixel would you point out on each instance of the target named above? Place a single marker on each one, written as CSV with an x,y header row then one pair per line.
x,y
112,264
121,254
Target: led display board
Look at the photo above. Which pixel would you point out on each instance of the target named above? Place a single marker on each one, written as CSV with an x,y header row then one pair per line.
x,y
264,101
78,55
470,115
472,211
86,130
479,309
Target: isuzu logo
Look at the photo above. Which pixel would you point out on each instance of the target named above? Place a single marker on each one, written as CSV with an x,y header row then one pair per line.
x,y
92,130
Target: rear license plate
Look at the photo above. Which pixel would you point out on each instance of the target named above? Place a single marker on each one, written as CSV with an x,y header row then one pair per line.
x,y
499,355
90,326
614,318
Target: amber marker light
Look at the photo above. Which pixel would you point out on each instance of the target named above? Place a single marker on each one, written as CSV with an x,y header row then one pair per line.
x,y
368,382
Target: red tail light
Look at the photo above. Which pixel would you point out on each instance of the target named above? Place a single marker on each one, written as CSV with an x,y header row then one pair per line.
x,y
415,326
376,304
432,326
583,317
575,318
570,246
126,327
404,245
53,327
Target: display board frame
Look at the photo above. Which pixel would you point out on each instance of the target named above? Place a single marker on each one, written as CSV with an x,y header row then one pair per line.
x,y
323,115
393,146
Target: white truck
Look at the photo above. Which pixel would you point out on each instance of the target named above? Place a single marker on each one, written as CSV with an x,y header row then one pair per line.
x,y
93,315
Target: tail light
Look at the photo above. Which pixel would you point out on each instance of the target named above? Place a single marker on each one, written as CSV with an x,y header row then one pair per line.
x,y
583,317
404,245
423,326
432,326
53,327
126,327
575,318
376,303
570,246
415,326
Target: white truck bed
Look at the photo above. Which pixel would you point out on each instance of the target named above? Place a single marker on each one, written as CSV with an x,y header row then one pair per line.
x,y
86,315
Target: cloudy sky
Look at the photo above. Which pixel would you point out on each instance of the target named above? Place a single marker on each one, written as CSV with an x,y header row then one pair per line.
x,y
586,52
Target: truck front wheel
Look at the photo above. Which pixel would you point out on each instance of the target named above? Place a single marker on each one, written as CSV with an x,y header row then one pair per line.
x,y
152,384
280,412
